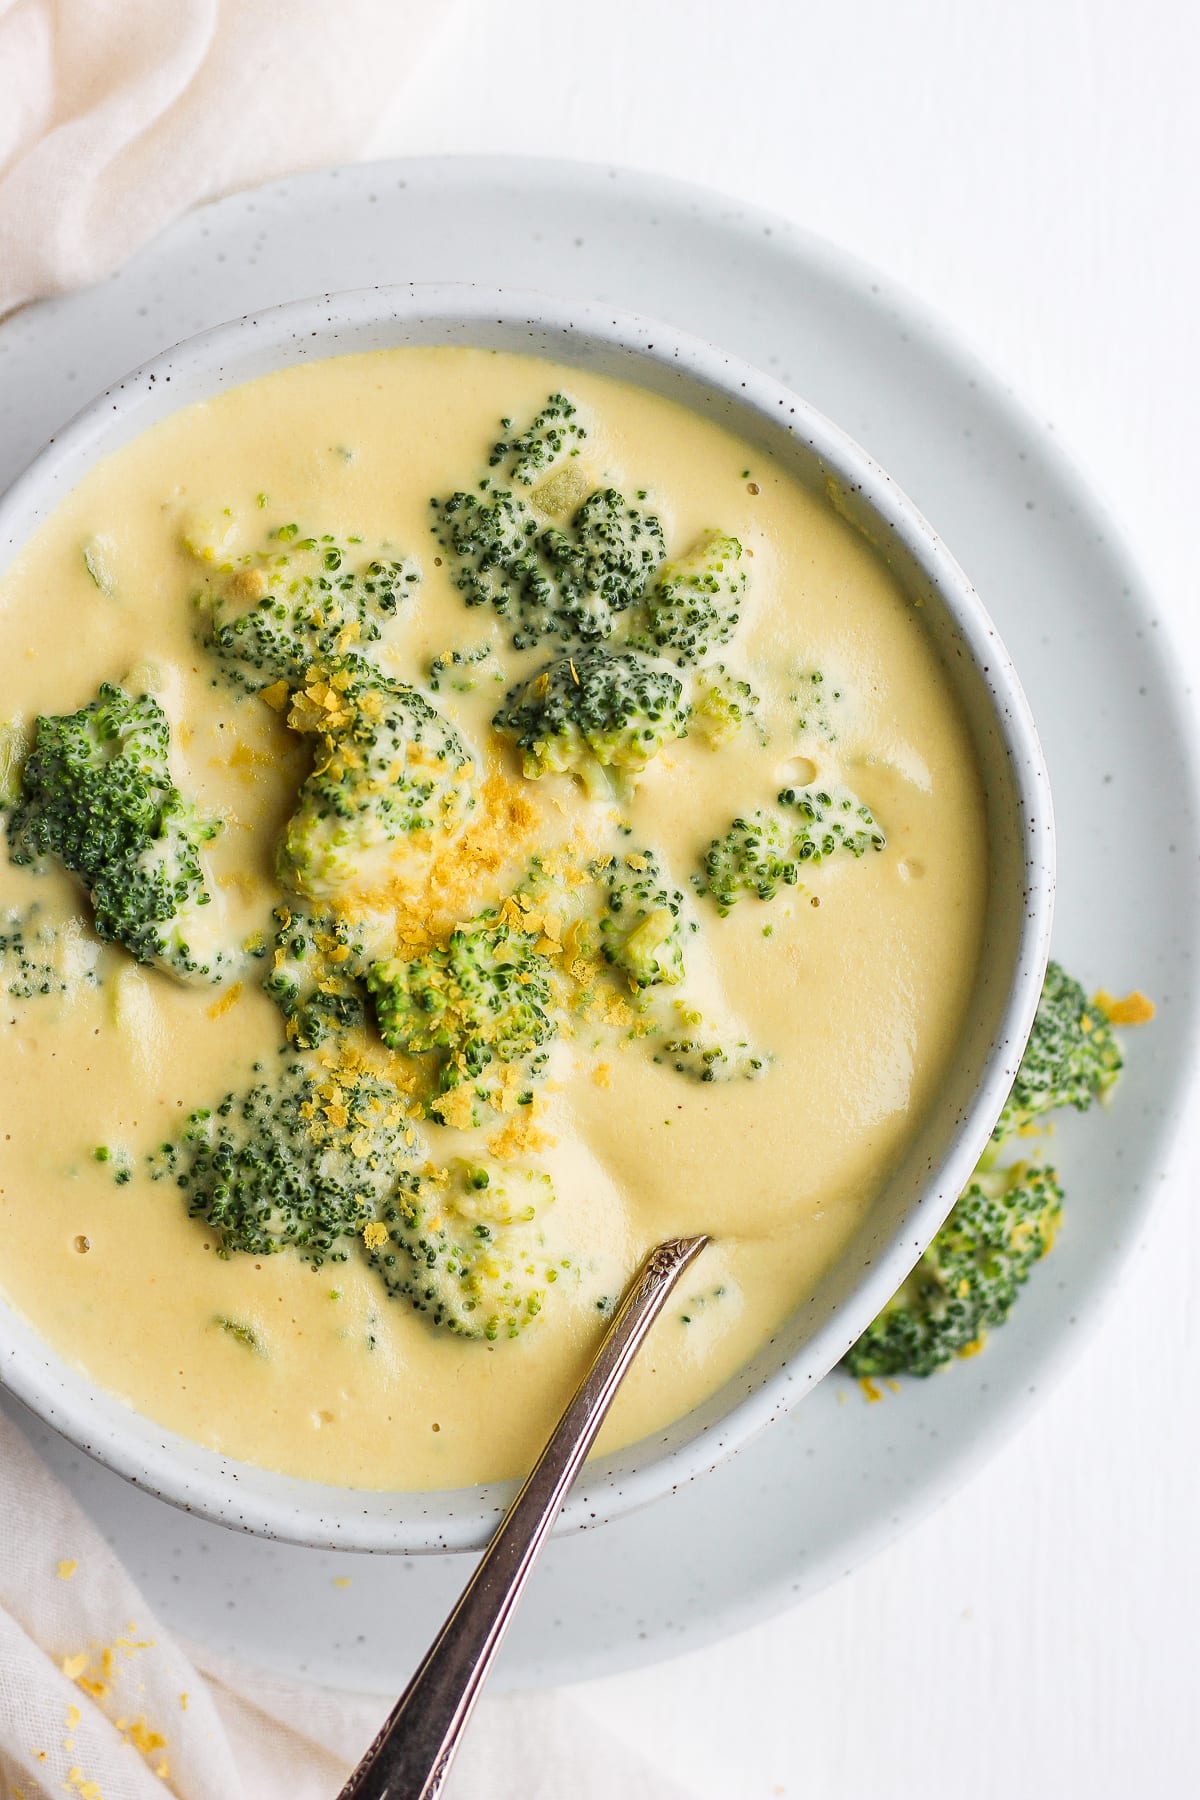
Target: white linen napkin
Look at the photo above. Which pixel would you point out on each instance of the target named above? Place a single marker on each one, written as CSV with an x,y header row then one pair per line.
x,y
99,1701
116,115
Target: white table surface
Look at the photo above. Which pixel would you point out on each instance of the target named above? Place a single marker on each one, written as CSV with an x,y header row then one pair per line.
x,y
1031,168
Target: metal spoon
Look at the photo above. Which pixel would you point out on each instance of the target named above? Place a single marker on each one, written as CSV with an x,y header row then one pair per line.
x,y
411,1757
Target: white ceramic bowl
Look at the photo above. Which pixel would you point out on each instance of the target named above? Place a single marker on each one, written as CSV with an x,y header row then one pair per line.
x,y
925,1184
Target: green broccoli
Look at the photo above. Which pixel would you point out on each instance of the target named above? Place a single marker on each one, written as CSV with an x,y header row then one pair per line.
x,y
645,920
1072,1057
591,712
391,781
39,958
755,856
301,1162
462,671
559,561
479,1005
721,705
818,706
313,977
464,1245
601,562
96,792
828,820
567,581
692,1045
528,456
968,1280
304,600
492,542
695,604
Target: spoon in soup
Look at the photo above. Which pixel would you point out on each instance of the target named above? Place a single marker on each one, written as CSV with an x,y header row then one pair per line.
x,y
411,1757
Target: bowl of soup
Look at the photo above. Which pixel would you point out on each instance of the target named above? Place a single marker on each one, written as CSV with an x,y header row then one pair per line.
x,y
489,784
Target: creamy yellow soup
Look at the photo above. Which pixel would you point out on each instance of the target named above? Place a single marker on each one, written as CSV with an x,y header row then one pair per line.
x,y
851,986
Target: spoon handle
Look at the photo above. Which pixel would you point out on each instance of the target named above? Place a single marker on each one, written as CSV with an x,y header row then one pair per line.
x,y
411,1757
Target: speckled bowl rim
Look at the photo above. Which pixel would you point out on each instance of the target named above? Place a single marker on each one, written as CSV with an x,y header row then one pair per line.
x,y
253,1499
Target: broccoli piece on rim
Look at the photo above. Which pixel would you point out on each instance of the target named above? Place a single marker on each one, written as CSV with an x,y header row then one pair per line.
x,y
464,1245
695,604
297,1163
591,712
304,600
478,1004
1072,1057
968,1280
96,792
391,782
645,921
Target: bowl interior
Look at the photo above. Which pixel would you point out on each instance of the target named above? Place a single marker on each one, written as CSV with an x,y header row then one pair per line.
x,y
943,1152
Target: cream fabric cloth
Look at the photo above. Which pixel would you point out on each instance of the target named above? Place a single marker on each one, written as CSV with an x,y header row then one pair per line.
x,y
115,116
92,1694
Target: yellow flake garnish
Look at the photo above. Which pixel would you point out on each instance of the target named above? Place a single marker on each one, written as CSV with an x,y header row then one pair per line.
x,y
276,696
1134,1009
228,999
869,1389
374,1234
67,1568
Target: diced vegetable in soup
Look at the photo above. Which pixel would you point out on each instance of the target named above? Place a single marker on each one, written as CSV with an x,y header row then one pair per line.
x,y
466,820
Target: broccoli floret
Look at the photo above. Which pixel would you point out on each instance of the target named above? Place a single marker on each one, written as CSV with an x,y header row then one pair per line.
x,y
464,1245
301,1162
1005,1220
313,976
601,562
591,712
817,706
38,958
760,854
492,541
1072,1057
96,792
828,820
568,581
462,671
695,604
478,1004
392,781
302,601
968,1280
692,1045
645,921
527,456
755,856
721,705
